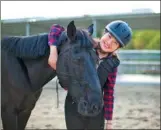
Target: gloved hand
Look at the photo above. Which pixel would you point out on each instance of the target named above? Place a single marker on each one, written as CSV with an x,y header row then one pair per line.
x,y
54,33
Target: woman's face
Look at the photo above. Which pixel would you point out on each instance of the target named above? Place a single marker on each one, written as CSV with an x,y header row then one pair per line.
x,y
108,43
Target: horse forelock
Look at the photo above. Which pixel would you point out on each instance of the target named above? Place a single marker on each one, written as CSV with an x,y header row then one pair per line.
x,y
85,38
82,37
63,38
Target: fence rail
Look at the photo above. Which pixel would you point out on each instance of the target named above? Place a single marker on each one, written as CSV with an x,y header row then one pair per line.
x,y
139,61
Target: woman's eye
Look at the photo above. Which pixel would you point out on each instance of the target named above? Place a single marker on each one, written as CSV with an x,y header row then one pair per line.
x,y
109,35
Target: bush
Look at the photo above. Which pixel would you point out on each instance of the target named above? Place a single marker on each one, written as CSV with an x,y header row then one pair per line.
x,y
154,43
145,39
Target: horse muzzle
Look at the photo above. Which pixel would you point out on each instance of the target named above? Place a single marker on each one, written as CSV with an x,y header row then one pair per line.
x,y
87,109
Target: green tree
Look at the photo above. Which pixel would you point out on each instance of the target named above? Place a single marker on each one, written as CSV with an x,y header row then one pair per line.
x,y
154,43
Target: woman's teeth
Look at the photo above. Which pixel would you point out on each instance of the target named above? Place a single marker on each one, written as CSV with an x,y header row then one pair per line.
x,y
106,45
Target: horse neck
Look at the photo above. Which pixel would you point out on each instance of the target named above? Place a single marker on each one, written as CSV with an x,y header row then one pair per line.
x,y
39,72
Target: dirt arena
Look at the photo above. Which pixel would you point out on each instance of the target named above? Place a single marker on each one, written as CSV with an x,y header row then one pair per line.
x,y
134,108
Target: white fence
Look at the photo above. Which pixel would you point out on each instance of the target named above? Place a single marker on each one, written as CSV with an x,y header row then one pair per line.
x,y
139,62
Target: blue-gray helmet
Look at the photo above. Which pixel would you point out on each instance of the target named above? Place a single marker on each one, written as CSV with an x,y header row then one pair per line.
x,y
121,31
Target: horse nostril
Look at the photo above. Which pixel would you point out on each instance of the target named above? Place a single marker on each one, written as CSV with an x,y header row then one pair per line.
x,y
85,104
94,108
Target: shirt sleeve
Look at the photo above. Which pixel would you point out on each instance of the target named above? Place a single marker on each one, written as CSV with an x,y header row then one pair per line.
x,y
54,34
109,95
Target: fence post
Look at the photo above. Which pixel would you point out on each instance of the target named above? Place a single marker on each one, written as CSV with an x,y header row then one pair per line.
x,y
94,27
27,29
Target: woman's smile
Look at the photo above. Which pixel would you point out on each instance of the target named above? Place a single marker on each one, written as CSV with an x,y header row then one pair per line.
x,y
106,46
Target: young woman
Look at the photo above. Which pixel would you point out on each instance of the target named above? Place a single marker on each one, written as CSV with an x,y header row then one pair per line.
x,y
117,34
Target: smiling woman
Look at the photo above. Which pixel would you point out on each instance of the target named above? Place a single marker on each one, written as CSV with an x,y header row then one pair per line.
x,y
109,43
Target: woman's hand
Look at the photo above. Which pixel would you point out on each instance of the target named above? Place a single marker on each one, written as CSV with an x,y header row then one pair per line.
x,y
53,57
108,125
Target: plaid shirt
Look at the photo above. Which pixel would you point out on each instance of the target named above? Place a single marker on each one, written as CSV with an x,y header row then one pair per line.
x,y
109,95
53,36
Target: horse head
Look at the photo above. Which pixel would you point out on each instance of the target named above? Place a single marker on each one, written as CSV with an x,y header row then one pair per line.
x,y
76,69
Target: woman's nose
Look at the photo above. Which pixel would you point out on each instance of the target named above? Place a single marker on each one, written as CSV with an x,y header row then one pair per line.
x,y
109,42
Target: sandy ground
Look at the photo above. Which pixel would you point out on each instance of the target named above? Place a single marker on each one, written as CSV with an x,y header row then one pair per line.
x,y
134,108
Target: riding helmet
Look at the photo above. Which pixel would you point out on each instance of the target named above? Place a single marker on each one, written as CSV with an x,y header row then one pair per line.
x,y
121,31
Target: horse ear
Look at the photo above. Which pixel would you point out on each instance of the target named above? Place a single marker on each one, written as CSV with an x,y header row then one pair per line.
x,y
71,30
90,29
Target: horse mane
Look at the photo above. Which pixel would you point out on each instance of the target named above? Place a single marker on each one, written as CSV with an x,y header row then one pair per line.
x,y
35,46
26,46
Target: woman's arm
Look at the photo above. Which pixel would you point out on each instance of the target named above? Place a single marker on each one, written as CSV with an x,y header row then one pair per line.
x,y
53,36
109,96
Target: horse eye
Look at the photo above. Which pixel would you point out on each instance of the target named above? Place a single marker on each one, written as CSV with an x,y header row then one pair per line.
x,y
77,60
76,37
76,50
66,39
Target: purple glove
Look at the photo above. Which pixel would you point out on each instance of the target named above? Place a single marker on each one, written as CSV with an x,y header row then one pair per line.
x,y
55,32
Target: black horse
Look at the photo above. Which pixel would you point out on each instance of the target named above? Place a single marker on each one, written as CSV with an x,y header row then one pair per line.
x,y
25,70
